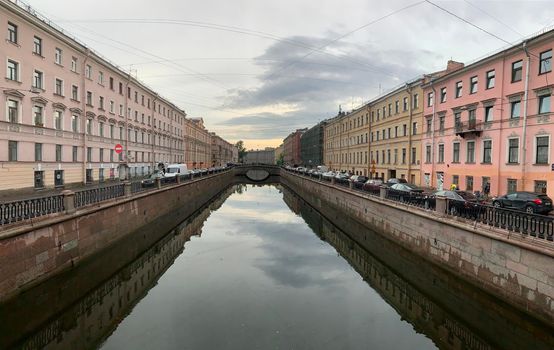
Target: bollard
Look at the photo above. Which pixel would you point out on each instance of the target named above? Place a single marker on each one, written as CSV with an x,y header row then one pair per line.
x,y
383,192
350,184
158,183
68,201
333,180
441,204
178,179
127,188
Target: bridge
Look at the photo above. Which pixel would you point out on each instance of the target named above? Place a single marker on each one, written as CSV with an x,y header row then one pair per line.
x,y
257,173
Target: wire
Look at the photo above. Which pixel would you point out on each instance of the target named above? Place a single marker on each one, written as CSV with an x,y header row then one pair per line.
x,y
496,19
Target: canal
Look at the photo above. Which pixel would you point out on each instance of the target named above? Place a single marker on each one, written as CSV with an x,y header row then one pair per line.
x,y
260,269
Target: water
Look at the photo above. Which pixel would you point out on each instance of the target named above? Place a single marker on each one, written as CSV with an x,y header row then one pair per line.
x,y
260,269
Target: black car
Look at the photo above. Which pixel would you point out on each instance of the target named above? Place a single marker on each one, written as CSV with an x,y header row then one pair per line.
x,y
529,202
358,180
395,180
458,201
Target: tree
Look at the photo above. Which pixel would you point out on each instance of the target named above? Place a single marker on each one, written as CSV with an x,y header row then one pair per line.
x,y
242,151
281,159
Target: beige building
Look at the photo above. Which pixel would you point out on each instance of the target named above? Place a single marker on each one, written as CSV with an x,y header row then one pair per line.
x,y
346,141
279,153
222,151
198,145
395,133
265,156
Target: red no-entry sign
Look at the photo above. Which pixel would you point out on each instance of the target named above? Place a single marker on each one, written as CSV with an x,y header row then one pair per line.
x,y
118,148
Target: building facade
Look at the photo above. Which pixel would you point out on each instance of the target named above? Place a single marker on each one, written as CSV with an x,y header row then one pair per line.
x,y
311,146
222,151
197,143
489,124
265,156
395,135
66,109
291,148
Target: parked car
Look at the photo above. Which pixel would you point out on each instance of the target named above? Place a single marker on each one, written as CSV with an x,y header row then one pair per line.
x,y
406,187
176,169
358,180
342,177
151,180
529,202
328,174
395,180
458,201
373,185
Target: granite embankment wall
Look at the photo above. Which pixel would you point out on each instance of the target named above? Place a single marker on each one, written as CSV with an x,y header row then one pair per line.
x,y
518,269
33,252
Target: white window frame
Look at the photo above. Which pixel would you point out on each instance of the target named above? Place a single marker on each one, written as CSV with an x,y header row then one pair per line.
x,y
483,151
58,54
19,108
74,61
535,149
508,149
17,70
41,74
63,86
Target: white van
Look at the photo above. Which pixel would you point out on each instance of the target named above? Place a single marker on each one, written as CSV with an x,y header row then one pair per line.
x,y
322,169
173,170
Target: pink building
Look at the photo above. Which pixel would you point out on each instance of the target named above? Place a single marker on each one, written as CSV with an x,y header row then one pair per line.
x,y
66,108
291,148
490,122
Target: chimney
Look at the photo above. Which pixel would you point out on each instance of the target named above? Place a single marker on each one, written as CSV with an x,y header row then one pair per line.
x,y
452,66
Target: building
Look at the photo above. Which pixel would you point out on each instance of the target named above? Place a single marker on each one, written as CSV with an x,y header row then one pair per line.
x,y
265,156
395,135
488,124
291,147
67,108
222,151
235,156
197,143
311,146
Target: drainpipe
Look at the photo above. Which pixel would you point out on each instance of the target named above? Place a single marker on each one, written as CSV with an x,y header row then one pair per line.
x,y
127,115
410,117
525,97
432,135
84,116
152,139
369,164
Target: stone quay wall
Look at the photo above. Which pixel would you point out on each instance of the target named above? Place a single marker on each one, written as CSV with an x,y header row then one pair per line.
x,y
518,269
32,252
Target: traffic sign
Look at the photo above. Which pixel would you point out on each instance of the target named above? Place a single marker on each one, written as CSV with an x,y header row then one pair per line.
x,y
118,148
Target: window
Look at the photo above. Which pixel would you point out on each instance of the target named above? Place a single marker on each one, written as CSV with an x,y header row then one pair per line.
x,y
112,129
74,64
101,102
37,46
89,154
38,152
37,79
473,85
405,130
12,151
545,65
487,151
74,152
405,104
441,153
455,152
58,56
58,153
58,87
458,90
111,155
443,95
517,68
403,156
89,98
470,152
75,123
101,154
430,99
541,154
12,33
471,115
390,109
515,107
540,186
488,114
416,101
490,79
101,129
88,71
13,70
469,183
112,107
111,83
58,120
544,104
38,118
512,185
89,126
101,78
121,88
428,154
414,155
414,128
396,107
513,151
75,93
13,111
441,123
429,125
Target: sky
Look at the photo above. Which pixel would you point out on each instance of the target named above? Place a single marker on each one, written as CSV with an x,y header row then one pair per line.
x,y
257,70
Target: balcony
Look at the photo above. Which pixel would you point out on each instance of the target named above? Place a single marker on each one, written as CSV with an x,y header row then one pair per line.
x,y
469,128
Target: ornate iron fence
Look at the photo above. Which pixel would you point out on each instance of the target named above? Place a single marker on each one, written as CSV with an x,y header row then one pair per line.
x,y
30,208
95,195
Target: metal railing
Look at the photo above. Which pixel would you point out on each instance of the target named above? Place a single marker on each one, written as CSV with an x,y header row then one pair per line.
x,y
30,208
100,194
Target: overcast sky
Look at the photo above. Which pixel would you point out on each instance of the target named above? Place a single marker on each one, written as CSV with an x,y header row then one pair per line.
x,y
256,70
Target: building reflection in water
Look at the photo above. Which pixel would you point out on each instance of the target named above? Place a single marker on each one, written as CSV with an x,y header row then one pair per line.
x,y
454,314
84,324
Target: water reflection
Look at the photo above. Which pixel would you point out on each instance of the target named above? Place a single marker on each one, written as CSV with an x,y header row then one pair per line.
x,y
452,313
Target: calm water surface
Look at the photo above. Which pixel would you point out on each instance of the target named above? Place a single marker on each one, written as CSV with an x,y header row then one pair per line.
x,y
259,278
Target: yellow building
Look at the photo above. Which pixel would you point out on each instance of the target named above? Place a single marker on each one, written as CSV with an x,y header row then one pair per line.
x,y
395,133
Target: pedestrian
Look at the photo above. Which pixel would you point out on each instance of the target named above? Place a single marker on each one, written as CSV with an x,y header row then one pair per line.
x,y
453,187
